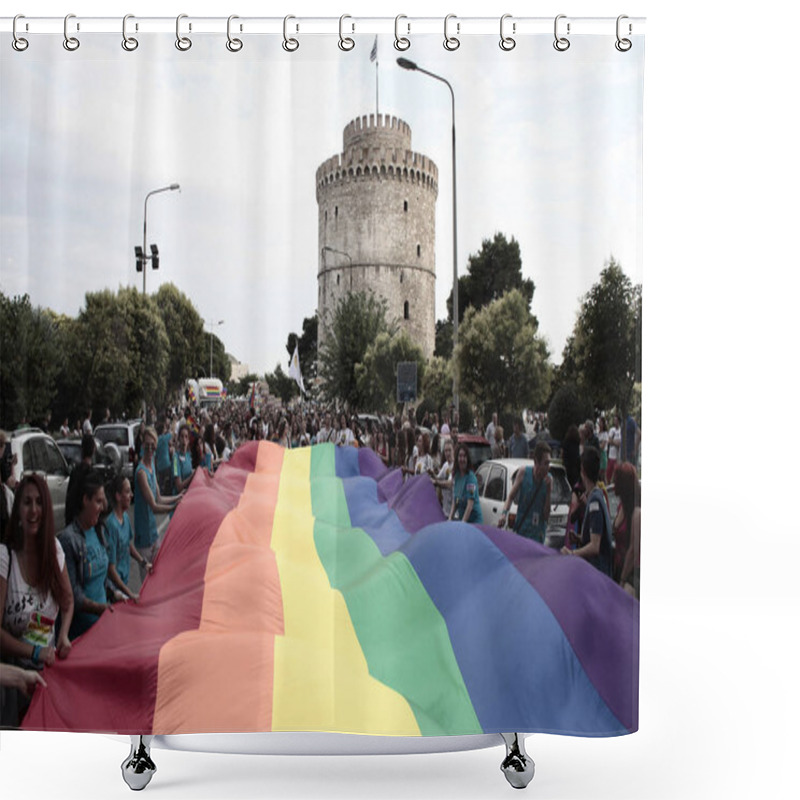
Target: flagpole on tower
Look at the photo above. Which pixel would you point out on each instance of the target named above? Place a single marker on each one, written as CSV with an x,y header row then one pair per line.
x,y
373,56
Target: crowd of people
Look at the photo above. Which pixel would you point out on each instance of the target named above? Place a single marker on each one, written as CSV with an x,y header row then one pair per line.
x,y
55,585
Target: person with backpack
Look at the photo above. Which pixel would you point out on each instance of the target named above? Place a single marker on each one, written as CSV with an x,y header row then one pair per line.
x,y
595,539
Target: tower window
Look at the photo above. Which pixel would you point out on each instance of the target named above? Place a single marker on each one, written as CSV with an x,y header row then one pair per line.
x,y
337,279
401,277
336,211
405,310
419,250
405,205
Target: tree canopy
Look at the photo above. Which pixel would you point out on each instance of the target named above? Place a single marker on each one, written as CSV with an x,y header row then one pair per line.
x,y
491,272
502,361
29,360
355,323
376,375
603,356
307,349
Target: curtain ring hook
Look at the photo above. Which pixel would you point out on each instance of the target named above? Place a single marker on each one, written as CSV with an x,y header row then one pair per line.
x,y
234,45
561,43
507,42
70,42
289,44
183,43
129,43
19,43
345,42
451,42
401,43
623,45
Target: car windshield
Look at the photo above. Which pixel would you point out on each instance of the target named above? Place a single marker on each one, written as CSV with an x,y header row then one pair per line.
x,y
118,436
479,453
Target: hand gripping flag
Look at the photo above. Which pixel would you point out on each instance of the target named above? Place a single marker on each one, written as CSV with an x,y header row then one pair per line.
x,y
314,590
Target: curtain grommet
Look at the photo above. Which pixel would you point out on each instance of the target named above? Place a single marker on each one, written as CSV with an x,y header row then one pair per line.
x,y
183,43
129,43
561,43
233,44
451,42
289,44
401,43
507,42
18,42
345,42
70,43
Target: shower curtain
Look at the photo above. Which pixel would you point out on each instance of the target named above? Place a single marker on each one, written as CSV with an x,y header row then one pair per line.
x,y
258,232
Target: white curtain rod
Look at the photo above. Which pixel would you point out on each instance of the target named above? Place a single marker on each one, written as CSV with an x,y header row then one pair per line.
x,y
348,26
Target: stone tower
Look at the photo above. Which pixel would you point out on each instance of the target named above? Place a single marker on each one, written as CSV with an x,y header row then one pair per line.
x,y
377,220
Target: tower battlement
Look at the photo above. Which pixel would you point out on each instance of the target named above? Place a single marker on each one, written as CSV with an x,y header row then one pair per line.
x,y
378,148
383,125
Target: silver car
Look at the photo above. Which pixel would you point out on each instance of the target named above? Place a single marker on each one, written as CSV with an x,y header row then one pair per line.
x,y
37,452
123,435
495,479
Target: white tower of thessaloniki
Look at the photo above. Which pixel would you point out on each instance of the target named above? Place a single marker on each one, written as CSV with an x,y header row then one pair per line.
x,y
377,226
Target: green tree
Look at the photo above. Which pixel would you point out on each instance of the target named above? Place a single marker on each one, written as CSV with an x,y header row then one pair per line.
x,y
29,361
148,350
241,387
120,351
438,383
281,385
355,323
221,365
376,375
491,272
503,363
567,408
307,347
603,356
188,346
444,339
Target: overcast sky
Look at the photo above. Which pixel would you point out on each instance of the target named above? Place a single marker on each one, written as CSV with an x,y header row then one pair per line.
x,y
549,152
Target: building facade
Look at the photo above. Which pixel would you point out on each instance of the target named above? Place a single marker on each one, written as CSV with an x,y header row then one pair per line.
x,y
377,226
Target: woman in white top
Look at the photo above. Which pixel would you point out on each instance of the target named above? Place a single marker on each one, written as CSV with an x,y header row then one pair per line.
x,y
345,435
34,587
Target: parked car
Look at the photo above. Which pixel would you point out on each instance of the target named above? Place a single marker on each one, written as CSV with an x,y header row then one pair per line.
x,y
479,448
107,459
495,479
123,435
37,452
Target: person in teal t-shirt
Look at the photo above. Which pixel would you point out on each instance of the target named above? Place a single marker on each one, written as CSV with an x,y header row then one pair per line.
x,y
84,547
466,504
119,541
148,500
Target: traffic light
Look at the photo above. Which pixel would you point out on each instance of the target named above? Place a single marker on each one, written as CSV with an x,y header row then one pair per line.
x,y
154,255
139,258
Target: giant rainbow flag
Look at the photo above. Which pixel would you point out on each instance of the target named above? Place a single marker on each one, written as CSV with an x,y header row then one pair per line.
x,y
312,590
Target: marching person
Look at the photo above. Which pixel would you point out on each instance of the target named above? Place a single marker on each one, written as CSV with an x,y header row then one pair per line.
x,y
534,486
466,505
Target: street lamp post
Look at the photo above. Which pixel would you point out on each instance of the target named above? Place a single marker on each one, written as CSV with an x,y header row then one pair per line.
x,y
410,65
211,346
145,258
